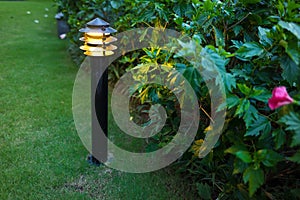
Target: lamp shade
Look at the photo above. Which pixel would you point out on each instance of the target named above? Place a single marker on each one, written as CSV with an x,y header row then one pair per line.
x,y
97,38
96,41
98,48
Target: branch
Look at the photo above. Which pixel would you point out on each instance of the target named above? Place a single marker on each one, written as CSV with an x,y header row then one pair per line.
x,y
239,21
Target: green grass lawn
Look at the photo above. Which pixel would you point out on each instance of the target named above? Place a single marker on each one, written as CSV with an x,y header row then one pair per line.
x,y
41,155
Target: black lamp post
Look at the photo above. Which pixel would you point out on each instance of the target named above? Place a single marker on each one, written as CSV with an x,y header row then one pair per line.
x,y
97,39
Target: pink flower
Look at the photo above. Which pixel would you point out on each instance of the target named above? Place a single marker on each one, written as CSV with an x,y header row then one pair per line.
x,y
279,98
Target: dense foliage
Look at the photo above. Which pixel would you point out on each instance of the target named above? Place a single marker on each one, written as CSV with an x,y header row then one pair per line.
x,y
256,45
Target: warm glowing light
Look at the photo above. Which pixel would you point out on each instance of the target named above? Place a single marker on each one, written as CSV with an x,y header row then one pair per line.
x,y
97,35
97,38
94,41
98,48
99,53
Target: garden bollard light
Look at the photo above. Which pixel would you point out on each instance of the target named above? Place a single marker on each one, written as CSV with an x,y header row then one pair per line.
x,y
97,39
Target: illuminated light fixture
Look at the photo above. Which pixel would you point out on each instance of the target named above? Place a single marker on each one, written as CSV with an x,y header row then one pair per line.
x,y
99,53
92,41
97,46
97,38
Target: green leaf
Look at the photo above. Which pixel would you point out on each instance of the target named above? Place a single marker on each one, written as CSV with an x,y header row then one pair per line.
x,y
263,37
232,101
198,38
262,124
209,60
255,92
230,81
291,72
244,89
242,107
239,166
219,37
261,95
292,50
292,121
296,139
235,148
255,177
208,5
204,190
279,138
244,156
295,158
292,27
249,50
268,157
242,73
280,8
188,49
220,63
180,67
115,4
149,53
237,30
250,116
237,44
250,1
194,78
181,8
296,193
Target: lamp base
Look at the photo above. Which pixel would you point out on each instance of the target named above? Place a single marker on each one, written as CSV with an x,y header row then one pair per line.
x,y
93,161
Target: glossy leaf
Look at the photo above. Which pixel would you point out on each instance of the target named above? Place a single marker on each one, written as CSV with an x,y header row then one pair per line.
x,y
293,51
261,95
292,27
255,178
292,122
244,156
295,158
268,157
242,107
291,72
260,125
250,1
279,138
204,190
239,166
219,37
249,50
237,44
232,101
263,36
230,82
244,89
235,148
250,116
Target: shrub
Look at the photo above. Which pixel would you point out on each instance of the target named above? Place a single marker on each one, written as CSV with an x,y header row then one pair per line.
x,y
256,47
